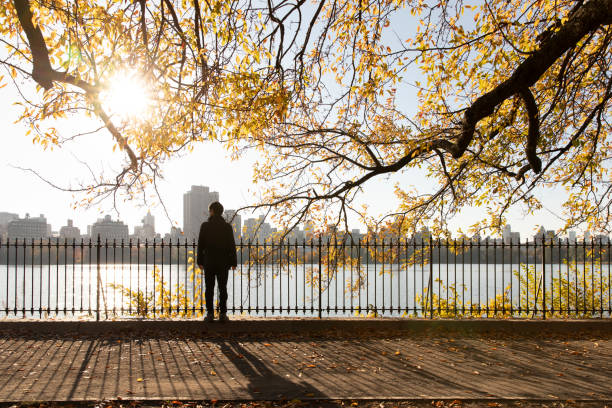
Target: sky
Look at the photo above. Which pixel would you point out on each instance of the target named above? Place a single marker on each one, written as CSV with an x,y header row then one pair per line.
x,y
209,165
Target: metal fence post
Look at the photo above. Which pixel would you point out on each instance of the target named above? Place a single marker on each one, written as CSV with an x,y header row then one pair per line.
x,y
430,278
98,280
544,278
320,280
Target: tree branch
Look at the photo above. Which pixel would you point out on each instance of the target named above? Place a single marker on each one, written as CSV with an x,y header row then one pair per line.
x,y
533,134
41,70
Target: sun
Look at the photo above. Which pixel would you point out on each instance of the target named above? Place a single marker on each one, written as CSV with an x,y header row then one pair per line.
x,y
127,96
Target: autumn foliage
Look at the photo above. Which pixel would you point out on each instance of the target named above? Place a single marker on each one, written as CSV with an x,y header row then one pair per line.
x,y
508,97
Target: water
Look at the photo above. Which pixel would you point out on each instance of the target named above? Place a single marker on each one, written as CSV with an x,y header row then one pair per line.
x,y
69,291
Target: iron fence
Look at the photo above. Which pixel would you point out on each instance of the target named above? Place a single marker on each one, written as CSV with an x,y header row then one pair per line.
x,y
55,278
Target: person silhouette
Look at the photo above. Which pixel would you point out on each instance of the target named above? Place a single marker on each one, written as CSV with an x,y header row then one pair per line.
x,y
216,255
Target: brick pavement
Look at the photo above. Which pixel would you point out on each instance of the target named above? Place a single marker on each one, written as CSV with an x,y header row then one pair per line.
x,y
360,364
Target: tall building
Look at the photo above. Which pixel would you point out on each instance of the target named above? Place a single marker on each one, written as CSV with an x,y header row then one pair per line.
x,y
309,230
249,229
108,229
31,228
195,209
256,229
235,220
507,234
70,231
147,229
540,235
572,236
265,229
149,220
5,218
175,236
295,235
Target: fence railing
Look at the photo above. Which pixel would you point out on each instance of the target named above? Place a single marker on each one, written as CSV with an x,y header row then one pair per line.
x,y
320,277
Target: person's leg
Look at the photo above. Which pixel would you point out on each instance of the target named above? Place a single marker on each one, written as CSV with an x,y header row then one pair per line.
x,y
222,282
209,280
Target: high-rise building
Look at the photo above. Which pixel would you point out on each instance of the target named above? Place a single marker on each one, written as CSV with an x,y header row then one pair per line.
x,y
195,209
309,230
70,231
250,229
235,220
265,229
32,228
149,220
108,229
146,231
572,236
5,218
256,229
507,234
540,235
175,236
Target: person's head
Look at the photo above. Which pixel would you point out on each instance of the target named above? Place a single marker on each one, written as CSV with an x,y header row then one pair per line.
x,y
215,208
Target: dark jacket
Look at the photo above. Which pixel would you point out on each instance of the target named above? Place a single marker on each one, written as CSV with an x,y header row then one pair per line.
x,y
216,246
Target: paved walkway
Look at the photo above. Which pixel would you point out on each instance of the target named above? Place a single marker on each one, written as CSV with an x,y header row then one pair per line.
x,y
61,367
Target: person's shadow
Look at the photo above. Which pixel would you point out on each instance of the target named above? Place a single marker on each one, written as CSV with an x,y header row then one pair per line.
x,y
264,383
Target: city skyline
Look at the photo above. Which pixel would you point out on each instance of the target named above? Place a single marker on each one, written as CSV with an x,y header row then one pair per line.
x,y
254,229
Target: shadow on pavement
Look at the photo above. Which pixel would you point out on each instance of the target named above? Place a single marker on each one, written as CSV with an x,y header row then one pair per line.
x,y
262,380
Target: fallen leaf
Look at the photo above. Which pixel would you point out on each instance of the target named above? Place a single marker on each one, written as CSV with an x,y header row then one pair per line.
x,y
267,345
212,372
397,353
311,366
139,379
476,372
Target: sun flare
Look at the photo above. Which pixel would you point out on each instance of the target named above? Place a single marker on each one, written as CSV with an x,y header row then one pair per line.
x,y
127,96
